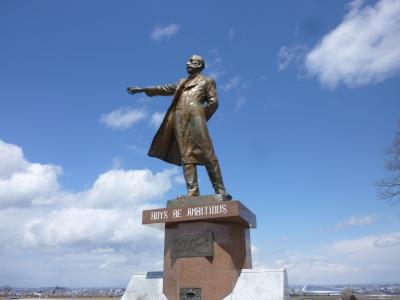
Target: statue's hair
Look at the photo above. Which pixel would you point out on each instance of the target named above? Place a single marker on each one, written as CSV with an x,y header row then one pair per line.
x,y
198,57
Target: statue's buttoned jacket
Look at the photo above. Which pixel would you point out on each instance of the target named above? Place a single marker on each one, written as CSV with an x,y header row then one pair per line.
x,y
183,135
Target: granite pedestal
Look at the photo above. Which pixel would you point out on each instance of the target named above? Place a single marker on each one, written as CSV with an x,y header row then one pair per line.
x,y
207,247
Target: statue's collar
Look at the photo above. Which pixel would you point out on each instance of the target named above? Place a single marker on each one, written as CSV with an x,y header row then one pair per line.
x,y
195,81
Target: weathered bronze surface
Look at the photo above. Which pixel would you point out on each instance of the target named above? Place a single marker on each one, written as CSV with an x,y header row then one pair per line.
x,y
183,137
190,294
193,245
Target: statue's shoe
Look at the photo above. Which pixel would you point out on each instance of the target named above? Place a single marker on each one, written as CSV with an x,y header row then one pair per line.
x,y
187,195
225,196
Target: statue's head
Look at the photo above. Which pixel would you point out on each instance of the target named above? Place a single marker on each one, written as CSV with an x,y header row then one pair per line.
x,y
195,64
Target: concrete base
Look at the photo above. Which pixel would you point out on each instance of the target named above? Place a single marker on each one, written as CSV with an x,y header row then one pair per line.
x,y
145,286
261,284
252,284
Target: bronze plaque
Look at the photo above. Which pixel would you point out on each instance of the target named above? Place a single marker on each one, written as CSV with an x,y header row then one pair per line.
x,y
193,244
190,294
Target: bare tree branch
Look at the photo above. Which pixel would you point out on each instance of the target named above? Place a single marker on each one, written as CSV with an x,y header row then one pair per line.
x,y
389,187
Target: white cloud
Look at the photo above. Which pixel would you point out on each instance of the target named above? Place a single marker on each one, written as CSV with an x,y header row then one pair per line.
x,y
78,232
214,67
288,55
137,149
122,118
87,228
361,260
166,32
116,162
23,183
314,269
231,34
231,84
236,85
109,212
156,119
240,102
180,179
125,187
356,221
363,49
103,250
114,262
368,254
214,74
389,240
11,160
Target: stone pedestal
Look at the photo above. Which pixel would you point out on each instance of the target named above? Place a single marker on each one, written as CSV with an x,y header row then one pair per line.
x,y
214,275
207,255
207,244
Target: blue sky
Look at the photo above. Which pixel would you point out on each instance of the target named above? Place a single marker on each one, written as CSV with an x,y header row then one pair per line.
x,y
308,100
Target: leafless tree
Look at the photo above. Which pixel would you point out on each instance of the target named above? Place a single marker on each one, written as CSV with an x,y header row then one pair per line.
x,y
389,187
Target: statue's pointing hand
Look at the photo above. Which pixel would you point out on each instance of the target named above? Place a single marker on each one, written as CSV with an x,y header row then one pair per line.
x,y
134,90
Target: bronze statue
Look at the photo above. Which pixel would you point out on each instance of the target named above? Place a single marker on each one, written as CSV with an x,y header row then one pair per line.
x,y
183,138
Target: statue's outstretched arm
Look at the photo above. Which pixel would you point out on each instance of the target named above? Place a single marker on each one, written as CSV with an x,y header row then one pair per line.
x,y
161,90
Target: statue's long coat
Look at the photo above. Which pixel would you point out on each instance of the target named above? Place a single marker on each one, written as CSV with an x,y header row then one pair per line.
x,y
183,135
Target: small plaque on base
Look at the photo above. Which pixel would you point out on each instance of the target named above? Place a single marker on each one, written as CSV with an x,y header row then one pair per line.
x,y
193,244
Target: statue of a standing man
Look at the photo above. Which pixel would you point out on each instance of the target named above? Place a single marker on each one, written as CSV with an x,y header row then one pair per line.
x,y
183,137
